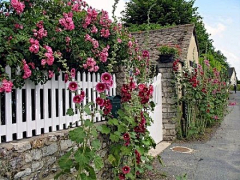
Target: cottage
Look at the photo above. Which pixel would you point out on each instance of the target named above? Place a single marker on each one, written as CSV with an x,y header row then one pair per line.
x,y
232,75
184,36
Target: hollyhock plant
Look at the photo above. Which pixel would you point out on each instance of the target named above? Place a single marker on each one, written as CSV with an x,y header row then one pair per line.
x,y
100,87
73,86
106,78
100,101
77,99
126,170
126,136
121,176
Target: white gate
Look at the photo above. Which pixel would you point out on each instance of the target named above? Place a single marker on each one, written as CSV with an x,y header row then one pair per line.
x,y
156,127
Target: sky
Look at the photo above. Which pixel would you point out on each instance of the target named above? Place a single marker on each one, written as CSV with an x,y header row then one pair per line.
x,y
221,19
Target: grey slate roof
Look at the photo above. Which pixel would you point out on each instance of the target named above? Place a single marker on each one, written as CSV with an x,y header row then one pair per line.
x,y
177,35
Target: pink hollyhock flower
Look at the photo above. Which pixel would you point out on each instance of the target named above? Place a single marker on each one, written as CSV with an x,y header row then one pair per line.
x,y
77,99
100,87
82,94
126,169
7,85
73,73
73,86
125,88
137,72
121,176
50,74
100,101
126,136
106,78
141,86
66,77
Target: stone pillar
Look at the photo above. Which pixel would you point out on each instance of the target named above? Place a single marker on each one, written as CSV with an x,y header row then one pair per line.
x,y
169,110
120,78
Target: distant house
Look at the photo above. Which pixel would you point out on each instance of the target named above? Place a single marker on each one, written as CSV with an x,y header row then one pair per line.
x,y
232,76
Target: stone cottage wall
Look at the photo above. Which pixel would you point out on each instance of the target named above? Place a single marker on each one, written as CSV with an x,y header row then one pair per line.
x,y
36,158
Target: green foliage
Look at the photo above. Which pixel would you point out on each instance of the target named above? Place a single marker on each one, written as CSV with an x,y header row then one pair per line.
x,y
165,12
168,50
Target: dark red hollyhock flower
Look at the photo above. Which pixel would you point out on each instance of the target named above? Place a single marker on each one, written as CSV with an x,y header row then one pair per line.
x,y
144,100
106,111
125,88
126,136
126,97
194,85
100,87
138,157
141,94
121,176
145,54
127,143
208,111
107,104
140,129
145,89
126,169
204,90
100,101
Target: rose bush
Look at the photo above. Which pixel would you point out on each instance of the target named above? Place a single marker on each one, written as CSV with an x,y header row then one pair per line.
x,y
41,38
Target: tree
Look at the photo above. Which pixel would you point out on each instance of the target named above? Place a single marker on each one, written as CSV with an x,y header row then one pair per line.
x,y
165,12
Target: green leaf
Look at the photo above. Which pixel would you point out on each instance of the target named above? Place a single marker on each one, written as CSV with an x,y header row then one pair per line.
x,y
113,121
94,132
81,157
65,162
77,135
121,128
98,161
87,109
111,159
96,144
70,112
103,129
126,150
114,137
88,123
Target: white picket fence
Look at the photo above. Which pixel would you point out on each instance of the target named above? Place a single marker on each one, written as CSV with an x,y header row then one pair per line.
x,y
38,109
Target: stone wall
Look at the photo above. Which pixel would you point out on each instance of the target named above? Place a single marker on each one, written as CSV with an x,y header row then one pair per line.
x,y
36,158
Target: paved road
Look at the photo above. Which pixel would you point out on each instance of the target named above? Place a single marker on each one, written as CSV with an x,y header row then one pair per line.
x,y
217,159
